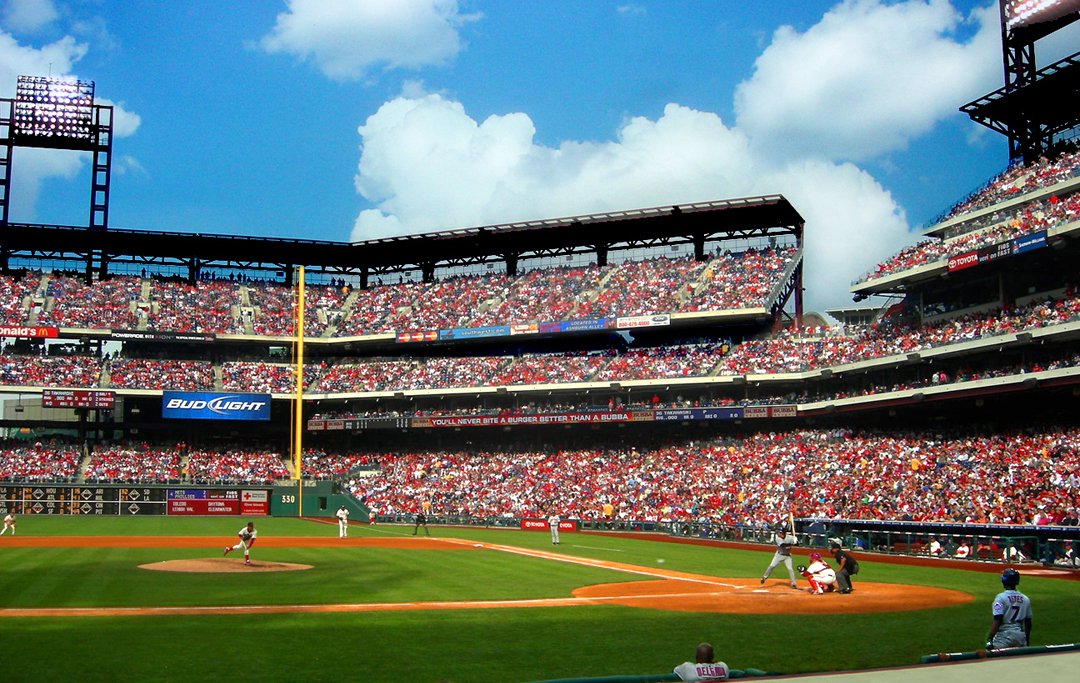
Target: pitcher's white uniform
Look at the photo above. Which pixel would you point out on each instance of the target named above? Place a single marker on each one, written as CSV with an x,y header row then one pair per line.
x,y
553,524
9,522
343,522
1014,608
247,539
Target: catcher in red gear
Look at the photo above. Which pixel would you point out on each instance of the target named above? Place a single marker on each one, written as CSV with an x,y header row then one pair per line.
x,y
822,578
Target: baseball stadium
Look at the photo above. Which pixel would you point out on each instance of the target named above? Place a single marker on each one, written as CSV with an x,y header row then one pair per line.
x,y
559,450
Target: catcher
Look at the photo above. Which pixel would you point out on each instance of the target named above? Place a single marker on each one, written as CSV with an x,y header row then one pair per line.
x,y
821,577
247,539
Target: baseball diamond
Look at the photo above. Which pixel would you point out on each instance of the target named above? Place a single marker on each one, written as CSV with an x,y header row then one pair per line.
x,y
675,389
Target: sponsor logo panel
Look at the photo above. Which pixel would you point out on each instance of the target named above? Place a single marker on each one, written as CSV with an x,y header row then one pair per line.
x,y
214,406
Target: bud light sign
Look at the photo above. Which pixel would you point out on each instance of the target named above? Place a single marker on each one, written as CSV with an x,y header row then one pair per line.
x,y
203,406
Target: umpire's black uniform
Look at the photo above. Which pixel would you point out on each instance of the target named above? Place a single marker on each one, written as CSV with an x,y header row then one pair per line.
x,y
420,519
848,567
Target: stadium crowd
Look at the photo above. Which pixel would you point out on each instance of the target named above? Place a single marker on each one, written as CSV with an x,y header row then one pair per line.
x,y
1016,181
39,461
134,463
986,477
236,465
232,306
1030,218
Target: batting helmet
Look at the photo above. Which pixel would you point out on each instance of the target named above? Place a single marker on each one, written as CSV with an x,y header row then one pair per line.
x,y
815,556
1010,578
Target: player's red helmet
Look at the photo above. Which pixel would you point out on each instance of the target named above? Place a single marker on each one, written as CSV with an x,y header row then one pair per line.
x,y
815,556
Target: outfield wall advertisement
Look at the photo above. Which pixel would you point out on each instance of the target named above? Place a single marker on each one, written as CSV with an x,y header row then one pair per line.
x,y
219,502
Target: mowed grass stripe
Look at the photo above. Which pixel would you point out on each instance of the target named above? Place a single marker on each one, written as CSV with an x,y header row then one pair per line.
x,y
83,577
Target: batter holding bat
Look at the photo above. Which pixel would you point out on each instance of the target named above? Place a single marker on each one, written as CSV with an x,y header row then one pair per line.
x,y
785,538
247,539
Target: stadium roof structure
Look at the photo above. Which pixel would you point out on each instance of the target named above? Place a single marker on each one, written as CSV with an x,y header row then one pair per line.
x,y
94,251
1033,114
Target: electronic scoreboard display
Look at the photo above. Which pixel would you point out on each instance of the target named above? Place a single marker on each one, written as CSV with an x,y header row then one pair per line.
x,y
81,500
77,398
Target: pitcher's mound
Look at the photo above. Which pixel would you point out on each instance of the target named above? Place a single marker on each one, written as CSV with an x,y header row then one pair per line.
x,y
222,565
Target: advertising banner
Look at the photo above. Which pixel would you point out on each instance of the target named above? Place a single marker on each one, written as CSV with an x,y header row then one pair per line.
x,y
995,251
525,328
475,332
584,325
183,405
417,336
962,261
203,502
1029,242
513,420
542,525
254,502
636,321
24,331
139,335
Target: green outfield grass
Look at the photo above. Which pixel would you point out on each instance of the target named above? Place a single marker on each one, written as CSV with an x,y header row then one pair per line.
x,y
523,644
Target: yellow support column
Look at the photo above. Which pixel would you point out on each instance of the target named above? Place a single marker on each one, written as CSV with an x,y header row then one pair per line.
x,y
298,405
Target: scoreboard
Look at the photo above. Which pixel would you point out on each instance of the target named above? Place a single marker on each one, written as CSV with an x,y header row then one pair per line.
x,y
77,398
72,499
81,500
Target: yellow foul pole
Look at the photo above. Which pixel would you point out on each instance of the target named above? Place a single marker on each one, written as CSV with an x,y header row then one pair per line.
x,y
298,409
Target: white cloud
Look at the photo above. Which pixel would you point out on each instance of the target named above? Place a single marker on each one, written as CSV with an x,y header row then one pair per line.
x,y
867,78
28,16
346,39
427,165
632,10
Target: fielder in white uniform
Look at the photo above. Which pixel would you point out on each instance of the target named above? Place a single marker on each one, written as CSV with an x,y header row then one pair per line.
x,y
247,539
553,524
9,522
784,540
342,523
1011,626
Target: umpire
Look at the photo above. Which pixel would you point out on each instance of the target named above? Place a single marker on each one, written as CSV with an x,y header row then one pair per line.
x,y
848,567
421,520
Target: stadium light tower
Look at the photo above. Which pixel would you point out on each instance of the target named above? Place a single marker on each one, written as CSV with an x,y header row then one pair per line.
x,y
58,113
1031,110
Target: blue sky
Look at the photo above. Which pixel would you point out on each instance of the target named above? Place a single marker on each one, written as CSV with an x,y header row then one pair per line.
x,y
337,120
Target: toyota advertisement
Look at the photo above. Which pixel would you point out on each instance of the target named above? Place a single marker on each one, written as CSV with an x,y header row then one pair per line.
x,y
183,405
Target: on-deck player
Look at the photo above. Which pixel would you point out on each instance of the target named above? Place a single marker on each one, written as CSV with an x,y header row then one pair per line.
x,y
784,539
247,539
703,668
9,522
821,576
1011,626
342,522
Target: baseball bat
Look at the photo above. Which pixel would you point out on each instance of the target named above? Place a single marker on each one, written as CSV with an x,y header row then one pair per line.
x,y
791,520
